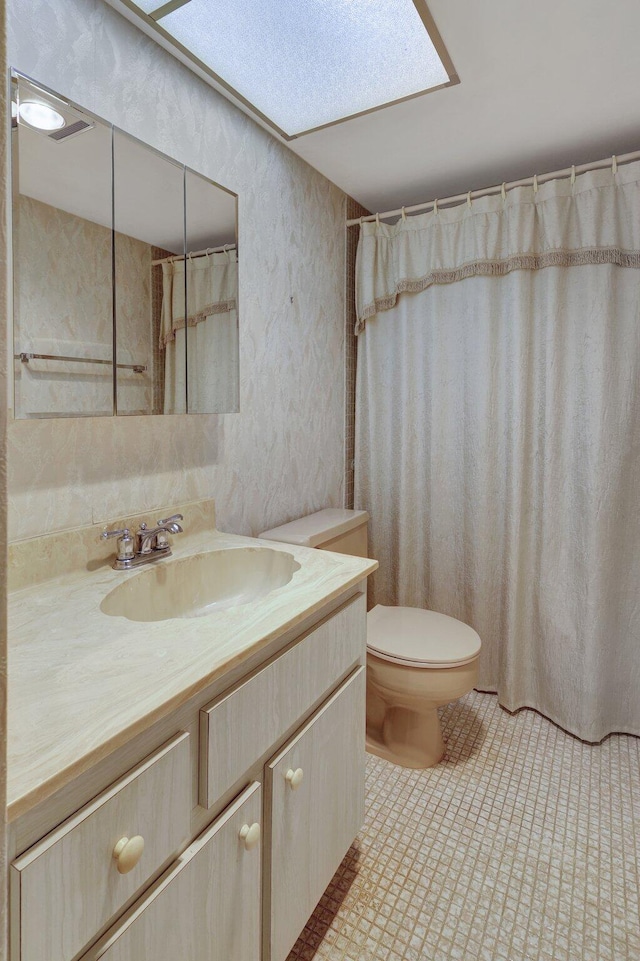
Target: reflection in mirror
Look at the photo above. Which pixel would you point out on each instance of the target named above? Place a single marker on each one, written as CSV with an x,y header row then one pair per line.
x,y
149,226
63,317
212,295
101,224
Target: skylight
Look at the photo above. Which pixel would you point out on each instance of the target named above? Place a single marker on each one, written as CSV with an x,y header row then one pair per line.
x,y
304,64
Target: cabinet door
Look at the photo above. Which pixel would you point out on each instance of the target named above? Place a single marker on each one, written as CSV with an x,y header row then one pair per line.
x,y
207,906
67,886
315,809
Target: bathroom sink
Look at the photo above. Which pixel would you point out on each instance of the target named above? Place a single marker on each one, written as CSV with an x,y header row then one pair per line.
x,y
200,584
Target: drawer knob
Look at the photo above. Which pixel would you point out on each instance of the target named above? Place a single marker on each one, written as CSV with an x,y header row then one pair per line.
x,y
294,778
250,835
128,852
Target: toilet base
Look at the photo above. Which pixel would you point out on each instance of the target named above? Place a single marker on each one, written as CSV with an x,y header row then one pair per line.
x,y
402,708
409,738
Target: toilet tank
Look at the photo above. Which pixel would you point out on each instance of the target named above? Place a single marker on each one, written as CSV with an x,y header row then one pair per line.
x,y
333,529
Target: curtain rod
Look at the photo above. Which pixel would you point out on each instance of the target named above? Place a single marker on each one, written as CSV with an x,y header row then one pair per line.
x,y
614,162
196,253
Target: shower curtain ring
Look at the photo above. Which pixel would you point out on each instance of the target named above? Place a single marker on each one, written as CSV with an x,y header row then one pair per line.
x,y
435,206
469,199
535,183
573,174
404,214
503,190
614,165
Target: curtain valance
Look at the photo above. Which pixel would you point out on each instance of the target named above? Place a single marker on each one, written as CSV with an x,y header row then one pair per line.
x,y
212,282
594,220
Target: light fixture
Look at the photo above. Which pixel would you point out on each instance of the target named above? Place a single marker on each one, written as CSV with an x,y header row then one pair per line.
x,y
301,65
40,115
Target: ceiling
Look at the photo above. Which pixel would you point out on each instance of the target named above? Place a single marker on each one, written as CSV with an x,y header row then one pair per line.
x,y
542,86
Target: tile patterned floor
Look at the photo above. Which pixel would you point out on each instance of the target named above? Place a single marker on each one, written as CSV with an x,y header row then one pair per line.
x,y
522,845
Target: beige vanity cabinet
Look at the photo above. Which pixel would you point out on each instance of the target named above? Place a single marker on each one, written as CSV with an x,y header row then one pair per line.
x,y
315,794
220,827
207,906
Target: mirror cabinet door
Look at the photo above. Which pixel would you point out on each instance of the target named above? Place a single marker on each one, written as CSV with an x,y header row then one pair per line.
x,y
149,251
125,271
62,258
211,266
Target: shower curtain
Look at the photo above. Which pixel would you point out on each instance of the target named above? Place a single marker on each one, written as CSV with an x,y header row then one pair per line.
x,y
201,355
498,435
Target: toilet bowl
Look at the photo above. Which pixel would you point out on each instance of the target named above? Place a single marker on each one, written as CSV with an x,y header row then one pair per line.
x,y
417,660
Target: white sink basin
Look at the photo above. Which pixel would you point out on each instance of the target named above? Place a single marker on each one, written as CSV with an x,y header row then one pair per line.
x,y
200,584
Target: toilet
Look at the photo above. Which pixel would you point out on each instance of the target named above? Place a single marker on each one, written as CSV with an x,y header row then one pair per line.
x,y
417,660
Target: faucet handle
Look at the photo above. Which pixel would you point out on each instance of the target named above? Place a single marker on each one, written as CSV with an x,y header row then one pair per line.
x,y
125,543
125,532
167,520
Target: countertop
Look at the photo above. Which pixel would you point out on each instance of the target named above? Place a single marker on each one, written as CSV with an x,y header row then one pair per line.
x,y
82,683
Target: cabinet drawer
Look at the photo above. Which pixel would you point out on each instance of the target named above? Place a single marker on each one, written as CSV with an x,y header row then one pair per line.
x,y
240,727
315,808
206,907
67,886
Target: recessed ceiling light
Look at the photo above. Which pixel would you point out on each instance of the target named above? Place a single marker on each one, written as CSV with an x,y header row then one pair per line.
x,y
305,64
40,115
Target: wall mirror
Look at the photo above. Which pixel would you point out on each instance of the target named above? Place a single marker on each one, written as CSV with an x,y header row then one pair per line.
x,y
125,271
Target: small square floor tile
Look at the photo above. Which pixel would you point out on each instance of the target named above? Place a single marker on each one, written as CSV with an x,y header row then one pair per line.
x,y
522,845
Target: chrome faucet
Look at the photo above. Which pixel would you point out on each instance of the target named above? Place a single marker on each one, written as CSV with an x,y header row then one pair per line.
x,y
146,545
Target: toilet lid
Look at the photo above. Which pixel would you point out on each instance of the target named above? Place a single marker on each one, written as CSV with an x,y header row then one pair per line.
x,y
411,635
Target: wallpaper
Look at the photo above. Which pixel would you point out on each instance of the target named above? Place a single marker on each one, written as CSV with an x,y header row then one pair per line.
x,y
63,305
3,512
282,455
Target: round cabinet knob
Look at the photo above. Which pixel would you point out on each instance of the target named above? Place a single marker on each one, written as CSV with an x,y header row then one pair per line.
x,y
127,853
294,778
250,835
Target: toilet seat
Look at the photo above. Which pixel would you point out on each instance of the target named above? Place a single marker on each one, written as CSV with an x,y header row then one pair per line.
x,y
419,638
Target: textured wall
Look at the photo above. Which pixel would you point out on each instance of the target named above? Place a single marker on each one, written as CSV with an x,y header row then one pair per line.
x,y
3,510
283,454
